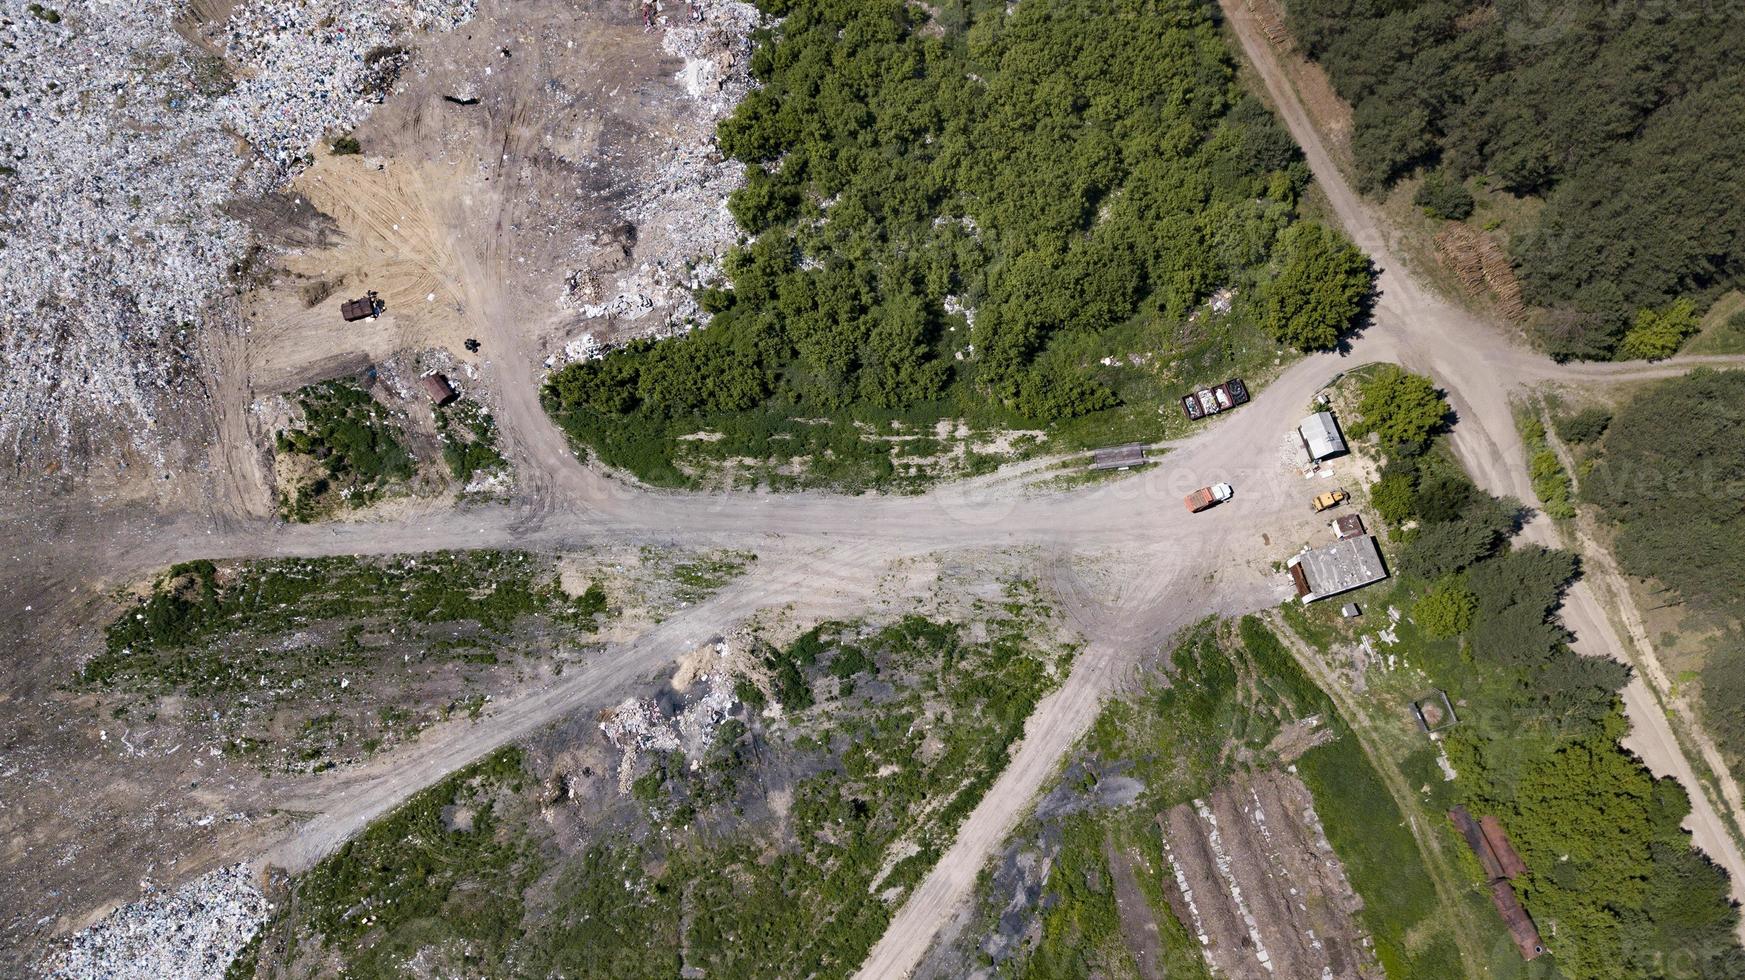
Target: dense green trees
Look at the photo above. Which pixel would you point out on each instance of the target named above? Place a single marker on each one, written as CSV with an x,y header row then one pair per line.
x,y
1612,880
1671,474
1401,407
1612,114
1065,168
1322,287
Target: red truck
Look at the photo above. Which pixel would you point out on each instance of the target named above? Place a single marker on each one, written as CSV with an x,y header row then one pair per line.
x,y
1210,496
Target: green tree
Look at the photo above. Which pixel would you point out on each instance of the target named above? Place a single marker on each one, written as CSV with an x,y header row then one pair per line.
x,y
1392,496
1320,290
1403,408
1446,610
1658,334
1443,196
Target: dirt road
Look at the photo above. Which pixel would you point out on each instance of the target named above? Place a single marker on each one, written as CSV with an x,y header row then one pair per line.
x,y
1124,558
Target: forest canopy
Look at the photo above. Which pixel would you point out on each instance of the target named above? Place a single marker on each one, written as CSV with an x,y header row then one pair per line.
x,y
1622,117
1062,169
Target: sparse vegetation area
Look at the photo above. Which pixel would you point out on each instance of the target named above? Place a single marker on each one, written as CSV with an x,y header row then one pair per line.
x,y
1008,218
1551,482
469,440
1234,703
347,449
327,659
781,851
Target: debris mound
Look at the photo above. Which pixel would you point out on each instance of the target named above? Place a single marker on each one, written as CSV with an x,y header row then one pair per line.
x,y
191,933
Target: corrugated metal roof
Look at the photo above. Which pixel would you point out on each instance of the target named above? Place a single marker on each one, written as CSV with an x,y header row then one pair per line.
x,y
1321,434
1339,567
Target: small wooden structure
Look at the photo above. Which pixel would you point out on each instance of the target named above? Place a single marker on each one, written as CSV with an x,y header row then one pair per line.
x,y
437,387
360,309
1118,457
1434,712
1349,526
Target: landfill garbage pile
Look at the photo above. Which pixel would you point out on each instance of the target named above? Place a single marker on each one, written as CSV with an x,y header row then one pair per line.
x,y
681,209
120,149
191,933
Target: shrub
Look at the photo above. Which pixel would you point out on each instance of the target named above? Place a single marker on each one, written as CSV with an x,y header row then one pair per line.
x,y
1442,196
1446,610
1659,333
1585,426
346,145
1401,407
1321,288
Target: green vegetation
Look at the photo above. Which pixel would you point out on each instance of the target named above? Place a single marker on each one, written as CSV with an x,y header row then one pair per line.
x,y
1668,475
469,440
1443,196
1604,112
1322,288
441,867
1658,334
349,440
1382,861
261,649
1612,880
1231,690
694,870
48,14
1446,610
1404,409
1551,482
1584,427
1082,175
346,145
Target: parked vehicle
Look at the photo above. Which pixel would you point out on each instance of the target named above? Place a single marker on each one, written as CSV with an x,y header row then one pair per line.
x,y
1210,496
1211,401
1331,498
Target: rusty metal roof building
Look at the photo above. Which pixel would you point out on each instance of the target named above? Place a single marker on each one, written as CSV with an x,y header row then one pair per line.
x,y
1349,526
438,388
1339,567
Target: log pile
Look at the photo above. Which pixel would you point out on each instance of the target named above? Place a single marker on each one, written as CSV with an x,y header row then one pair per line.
x,y
1482,266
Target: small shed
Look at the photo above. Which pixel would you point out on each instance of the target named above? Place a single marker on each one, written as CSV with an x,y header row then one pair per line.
x,y
1320,435
1118,457
1350,610
1349,526
437,387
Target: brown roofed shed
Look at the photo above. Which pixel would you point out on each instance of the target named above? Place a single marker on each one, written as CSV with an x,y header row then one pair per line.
x,y
438,388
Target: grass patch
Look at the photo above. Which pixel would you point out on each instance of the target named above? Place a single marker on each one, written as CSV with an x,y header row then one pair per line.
x,y
469,440
349,447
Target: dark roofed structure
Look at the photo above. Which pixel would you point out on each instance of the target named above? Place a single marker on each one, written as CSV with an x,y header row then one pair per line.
x,y
438,388
1118,457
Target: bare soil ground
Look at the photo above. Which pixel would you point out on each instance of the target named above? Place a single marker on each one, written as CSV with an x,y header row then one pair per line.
x,y
1257,881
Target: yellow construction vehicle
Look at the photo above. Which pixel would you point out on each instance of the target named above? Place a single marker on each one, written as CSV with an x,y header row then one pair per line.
x,y
1331,498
